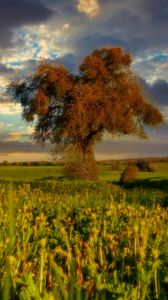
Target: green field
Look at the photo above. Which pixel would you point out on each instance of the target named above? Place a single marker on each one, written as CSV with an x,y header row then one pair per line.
x,y
29,173
105,173
76,240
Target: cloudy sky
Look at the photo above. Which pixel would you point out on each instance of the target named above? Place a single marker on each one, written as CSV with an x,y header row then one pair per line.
x,y
68,30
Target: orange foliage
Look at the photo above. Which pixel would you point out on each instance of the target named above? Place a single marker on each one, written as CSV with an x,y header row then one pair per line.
x,y
78,109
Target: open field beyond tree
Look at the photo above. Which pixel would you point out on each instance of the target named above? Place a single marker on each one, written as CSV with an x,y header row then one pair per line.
x,y
105,173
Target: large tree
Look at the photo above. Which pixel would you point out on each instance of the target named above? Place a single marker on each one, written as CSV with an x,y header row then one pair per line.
x,y
78,109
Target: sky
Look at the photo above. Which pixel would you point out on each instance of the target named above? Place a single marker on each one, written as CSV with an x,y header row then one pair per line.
x,y
66,31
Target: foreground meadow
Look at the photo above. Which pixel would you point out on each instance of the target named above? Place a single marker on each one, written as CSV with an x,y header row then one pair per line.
x,y
73,240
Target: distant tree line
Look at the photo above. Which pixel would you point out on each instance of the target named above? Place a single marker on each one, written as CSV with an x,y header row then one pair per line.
x,y
114,162
29,163
132,160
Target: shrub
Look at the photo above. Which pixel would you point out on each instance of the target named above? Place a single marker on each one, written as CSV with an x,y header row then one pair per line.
x,y
144,166
79,170
5,163
129,174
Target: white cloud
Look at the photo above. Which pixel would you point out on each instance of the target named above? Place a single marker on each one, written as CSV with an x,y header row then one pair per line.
x,y
36,42
164,111
66,26
10,124
30,130
9,109
13,136
152,66
3,124
90,7
3,81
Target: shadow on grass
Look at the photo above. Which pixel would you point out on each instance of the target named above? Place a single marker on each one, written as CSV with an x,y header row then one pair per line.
x,y
147,191
155,183
33,180
46,178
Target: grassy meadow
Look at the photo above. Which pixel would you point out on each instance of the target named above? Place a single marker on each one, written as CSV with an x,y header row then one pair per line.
x,y
105,173
67,240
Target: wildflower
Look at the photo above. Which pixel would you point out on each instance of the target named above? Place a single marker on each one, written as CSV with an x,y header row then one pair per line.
x,y
11,259
155,253
43,243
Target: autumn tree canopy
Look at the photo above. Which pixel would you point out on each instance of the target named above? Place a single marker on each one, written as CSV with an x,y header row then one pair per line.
x,y
78,109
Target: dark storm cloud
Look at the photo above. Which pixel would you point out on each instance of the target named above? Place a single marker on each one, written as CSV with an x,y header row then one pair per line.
x,y
10,143
158,11
156,145
70,61
20,147
5,70
62,5
15,13
135,25
86,44
158,91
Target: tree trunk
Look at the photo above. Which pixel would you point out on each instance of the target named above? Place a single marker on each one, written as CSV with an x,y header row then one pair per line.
x,y
88,163
81,163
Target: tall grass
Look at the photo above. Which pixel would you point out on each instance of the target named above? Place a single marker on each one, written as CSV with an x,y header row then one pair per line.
x,y
82,241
